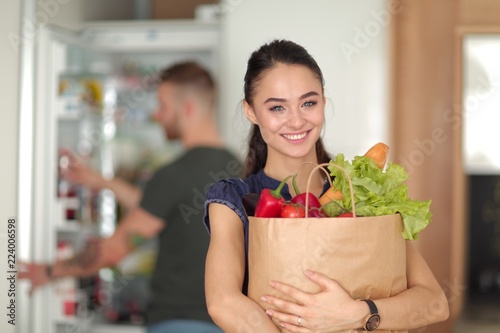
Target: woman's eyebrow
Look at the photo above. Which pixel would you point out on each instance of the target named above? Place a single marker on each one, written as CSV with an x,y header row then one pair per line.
x,y
283,100
309,94
275,100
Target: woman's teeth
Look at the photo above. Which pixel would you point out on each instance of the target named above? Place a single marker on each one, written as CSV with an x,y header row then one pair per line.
x,y
293,137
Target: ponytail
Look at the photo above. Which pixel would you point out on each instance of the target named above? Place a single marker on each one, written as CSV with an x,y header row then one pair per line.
x,y
321,153
257,152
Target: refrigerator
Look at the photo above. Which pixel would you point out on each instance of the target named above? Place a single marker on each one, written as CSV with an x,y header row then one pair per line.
x,y
95,91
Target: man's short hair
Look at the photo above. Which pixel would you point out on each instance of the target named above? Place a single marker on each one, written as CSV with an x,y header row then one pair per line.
x,y
190,74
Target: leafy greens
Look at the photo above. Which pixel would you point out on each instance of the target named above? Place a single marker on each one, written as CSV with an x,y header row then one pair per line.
x,y
377,192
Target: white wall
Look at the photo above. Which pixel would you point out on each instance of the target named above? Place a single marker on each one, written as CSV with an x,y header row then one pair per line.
x,y
64,13
10,22
356,78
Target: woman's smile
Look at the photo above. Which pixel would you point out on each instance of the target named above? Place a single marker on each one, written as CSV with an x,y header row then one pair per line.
x,y
296,137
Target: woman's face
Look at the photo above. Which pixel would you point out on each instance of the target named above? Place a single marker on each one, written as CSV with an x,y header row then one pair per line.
x,y
288,106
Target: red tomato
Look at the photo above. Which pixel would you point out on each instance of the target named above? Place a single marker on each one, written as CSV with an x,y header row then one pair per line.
x,y
346,214
292,211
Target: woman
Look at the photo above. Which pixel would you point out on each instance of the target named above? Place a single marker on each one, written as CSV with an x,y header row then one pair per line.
x,y
284,100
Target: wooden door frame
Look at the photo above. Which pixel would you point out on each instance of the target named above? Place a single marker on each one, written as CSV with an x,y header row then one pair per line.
x,y
460,209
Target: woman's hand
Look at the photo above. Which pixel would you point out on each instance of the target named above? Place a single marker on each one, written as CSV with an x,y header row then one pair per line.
x,y
329,310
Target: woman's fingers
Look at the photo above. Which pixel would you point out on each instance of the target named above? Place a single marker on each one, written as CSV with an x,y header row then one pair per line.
x,y
282,305
324,282
292,323
315,310
321,280
290,314
299,296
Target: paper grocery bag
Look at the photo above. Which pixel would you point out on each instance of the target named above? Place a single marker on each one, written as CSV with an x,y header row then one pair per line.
x,y
365,255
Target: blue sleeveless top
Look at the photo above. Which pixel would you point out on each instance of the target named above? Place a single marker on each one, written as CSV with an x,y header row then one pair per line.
x,y
229,192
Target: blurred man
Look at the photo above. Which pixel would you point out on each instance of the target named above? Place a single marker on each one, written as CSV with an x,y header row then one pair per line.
x,y
171,207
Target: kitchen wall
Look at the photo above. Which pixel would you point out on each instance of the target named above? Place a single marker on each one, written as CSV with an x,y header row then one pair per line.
x,y
65,13
349,40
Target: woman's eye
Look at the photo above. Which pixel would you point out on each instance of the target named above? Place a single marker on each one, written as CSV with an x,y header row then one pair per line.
x,y
277,108
310,103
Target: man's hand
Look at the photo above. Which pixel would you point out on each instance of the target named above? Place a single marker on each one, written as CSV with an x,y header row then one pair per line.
x,y
87,262
36,273
79,173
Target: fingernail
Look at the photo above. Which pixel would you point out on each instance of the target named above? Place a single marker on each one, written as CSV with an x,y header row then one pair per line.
x,y
264,299
269,312
308,272
272,284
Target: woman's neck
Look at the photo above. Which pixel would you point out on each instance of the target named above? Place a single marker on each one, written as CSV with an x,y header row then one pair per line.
x,y
279,167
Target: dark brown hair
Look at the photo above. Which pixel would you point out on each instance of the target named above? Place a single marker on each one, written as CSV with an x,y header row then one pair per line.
x,y
262,60
189,74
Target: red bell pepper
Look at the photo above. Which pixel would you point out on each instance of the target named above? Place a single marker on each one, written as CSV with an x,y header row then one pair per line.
x,y
270,202
314,206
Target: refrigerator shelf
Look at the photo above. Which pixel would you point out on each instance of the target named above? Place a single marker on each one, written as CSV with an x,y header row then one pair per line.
x,y
76,116
70,227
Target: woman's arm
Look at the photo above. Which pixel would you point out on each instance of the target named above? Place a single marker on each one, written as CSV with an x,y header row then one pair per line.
x,y
332,309
423,303
224,274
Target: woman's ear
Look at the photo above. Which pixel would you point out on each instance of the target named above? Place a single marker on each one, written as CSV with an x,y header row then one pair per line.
x,y
249,113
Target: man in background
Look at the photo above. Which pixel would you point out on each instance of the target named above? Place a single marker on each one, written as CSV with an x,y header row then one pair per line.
x,y
169,207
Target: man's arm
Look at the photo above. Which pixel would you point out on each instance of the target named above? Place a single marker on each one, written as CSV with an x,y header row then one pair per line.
x,y
98,253
126,194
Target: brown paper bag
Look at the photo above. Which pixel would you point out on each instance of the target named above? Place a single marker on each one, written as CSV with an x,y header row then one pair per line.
x,y
365,255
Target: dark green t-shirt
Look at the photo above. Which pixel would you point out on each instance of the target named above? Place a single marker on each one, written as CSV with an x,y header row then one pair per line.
x,y
176,194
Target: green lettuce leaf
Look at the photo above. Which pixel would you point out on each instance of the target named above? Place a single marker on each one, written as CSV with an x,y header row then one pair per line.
x,y
376,193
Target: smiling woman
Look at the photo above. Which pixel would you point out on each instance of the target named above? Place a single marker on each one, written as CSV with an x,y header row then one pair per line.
x,y
289,111
284,101
283,78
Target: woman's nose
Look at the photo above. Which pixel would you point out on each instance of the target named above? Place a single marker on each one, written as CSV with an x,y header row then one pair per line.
x,y
296,119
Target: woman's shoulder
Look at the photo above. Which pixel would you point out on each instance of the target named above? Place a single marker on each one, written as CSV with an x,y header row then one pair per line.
x,y
229,192
233,188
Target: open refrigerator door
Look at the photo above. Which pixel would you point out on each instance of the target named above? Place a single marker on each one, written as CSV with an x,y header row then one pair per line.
x,y
96,92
